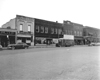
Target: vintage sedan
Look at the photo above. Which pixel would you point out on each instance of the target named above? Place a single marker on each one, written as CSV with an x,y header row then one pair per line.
x,y
94,44
18,46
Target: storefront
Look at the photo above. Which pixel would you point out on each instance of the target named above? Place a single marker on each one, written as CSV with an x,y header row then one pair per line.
x,y
7,36
79,40
24,37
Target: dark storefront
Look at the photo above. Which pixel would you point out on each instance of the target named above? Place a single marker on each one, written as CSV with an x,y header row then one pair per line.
x,y
7,37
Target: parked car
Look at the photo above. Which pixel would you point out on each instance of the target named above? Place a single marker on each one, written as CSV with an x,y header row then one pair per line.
x,y
18,46
98,44
94,44
0,47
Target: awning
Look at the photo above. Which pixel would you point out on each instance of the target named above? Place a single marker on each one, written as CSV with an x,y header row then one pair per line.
x,y
19,35
79,38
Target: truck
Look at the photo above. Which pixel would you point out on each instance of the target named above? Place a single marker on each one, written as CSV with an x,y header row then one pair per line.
x,y
66,41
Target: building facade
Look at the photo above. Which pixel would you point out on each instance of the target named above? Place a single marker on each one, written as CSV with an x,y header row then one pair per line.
x,y
78,33
24,26
33,31
7,36
91,34
38,31
47,30
75,29
68,28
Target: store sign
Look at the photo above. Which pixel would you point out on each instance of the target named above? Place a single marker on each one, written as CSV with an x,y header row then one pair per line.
x,y
6,33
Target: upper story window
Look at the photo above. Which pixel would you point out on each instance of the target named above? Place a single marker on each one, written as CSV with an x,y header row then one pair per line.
x,y
37,29
71,32
42,29
65,31
52,30
78,34
21,27
46,29
68,31
56,31
75,33
29,28
59,31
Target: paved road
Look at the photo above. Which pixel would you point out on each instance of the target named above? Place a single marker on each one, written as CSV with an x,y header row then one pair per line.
x,y
72,63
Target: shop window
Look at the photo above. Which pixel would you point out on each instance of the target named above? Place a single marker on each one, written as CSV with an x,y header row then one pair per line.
x,y
29,28
52,30
42,29
37,29
21,27
46,29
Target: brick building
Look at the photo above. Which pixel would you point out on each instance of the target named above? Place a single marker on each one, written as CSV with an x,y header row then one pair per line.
x,y
47,30
68,28
24,26
75,29
91,34
78,33
33,30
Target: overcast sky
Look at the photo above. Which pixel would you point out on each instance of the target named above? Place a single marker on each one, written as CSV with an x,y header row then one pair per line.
x,y
86,12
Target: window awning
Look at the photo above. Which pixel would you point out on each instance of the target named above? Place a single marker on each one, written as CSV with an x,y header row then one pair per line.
x,y
20,35
79,38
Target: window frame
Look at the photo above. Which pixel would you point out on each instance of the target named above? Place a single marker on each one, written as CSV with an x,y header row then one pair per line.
x,y
37,29
56,31
52,30
59,31
29,28
21,27
75,33
46,29
42,29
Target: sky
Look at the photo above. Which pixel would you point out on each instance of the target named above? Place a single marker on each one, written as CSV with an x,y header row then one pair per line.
x,y
85,12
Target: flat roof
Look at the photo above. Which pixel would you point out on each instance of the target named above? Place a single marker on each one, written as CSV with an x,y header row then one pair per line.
x,y
10,30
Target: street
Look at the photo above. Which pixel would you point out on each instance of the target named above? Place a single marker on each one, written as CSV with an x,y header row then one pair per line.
x,y
63,63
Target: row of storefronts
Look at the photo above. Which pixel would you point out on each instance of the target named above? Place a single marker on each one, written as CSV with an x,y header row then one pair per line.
x,y
37,31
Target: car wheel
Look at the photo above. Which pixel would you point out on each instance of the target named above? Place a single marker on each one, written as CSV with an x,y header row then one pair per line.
x,y
13,48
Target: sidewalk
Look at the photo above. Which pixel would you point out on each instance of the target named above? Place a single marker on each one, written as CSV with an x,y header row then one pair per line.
x,y
46,46
43,46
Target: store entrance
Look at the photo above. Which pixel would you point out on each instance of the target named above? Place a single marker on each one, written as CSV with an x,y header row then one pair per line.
x,y
6,40
11,40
